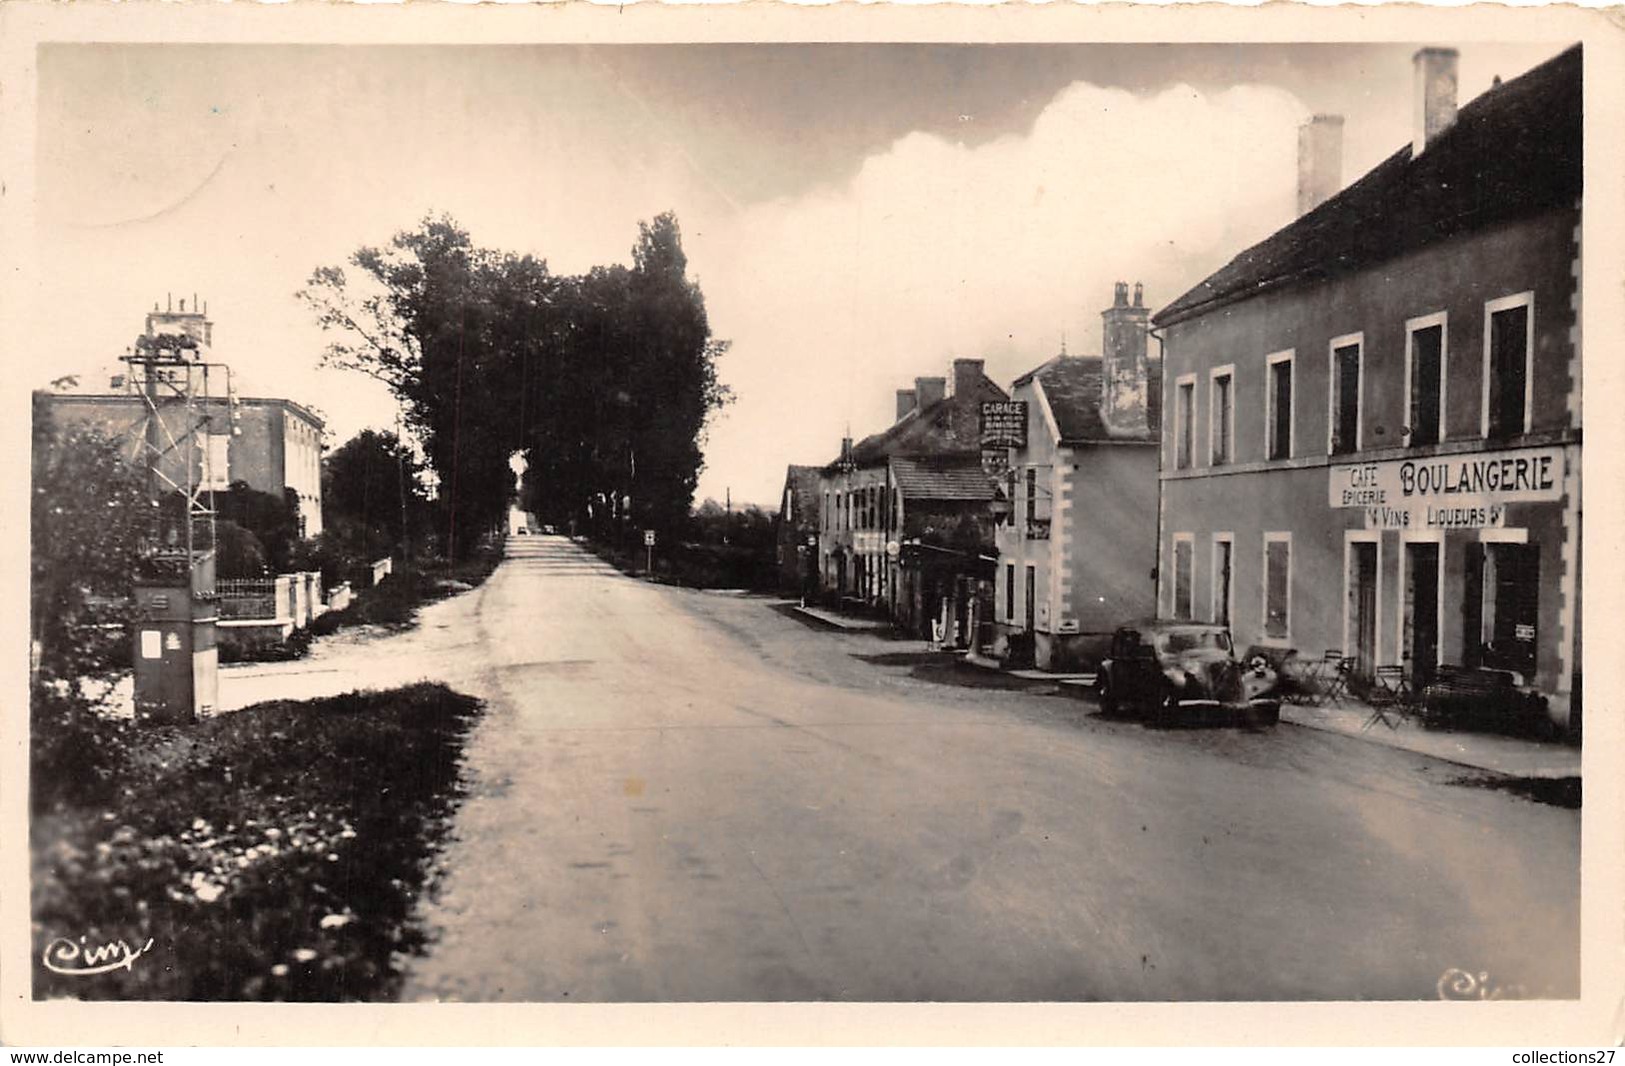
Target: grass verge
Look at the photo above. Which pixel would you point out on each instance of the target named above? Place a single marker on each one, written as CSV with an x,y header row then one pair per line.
x,y
394,601
276,853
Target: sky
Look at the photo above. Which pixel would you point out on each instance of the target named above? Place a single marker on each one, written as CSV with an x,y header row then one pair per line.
x,y
857,215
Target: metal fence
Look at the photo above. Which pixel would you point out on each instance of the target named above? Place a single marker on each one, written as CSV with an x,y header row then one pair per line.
x,y
247,597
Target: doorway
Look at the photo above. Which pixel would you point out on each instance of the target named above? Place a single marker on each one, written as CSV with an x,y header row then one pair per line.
x,y
1420,639
1362,605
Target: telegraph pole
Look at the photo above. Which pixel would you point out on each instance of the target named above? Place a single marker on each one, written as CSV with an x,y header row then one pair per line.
x,y
176,604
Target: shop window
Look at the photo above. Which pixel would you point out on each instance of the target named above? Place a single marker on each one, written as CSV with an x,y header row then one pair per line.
x,y
1222,421
1506,365
1278,407
1184,552
1425,373
1277,586
1223,552
1502,607
1345,395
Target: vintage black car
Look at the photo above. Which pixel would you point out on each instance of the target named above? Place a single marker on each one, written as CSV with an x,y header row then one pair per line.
x,y
1185,670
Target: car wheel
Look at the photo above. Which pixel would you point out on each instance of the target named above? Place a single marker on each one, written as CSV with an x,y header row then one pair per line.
x,y
1270,715
1158,711
1108,698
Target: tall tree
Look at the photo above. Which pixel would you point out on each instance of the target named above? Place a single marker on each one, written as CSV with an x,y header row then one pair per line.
x,y
605,380
371,493
91,516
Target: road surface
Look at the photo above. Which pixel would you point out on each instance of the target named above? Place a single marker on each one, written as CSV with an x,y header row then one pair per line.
x,y
686,796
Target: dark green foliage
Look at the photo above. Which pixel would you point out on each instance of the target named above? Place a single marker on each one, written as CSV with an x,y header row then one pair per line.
x,y
89,517
604,380
372,501
234,648
395,600
230,842
238,552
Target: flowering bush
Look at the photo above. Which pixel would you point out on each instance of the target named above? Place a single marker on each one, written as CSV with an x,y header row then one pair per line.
x,y
277,853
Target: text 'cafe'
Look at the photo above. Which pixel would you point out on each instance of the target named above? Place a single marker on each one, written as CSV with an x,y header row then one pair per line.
x,y
1482,549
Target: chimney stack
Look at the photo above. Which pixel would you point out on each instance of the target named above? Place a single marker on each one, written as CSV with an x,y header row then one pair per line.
x,y
967,375
905,403
928,391
1434,107
1124,372
1320,161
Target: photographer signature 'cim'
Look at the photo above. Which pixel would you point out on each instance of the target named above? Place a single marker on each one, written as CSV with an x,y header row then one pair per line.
x,y
79,959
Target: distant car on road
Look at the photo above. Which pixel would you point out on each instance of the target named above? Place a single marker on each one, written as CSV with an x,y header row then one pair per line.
x,y
1169,670
522,531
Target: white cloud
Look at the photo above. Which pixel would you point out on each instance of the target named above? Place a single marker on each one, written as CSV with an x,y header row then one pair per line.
x,y
935,250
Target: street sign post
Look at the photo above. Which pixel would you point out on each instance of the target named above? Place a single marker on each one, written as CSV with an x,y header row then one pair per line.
x,y
649,550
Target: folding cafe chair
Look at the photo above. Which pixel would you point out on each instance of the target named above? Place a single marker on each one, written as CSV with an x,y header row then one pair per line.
x,y
1390,697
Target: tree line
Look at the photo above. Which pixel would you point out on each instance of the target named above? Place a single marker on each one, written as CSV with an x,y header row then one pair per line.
x,y
604,381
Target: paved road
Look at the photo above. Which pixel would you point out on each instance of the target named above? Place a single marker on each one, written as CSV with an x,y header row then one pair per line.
x,y
686,796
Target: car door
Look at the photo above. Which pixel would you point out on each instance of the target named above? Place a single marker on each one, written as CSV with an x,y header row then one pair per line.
x,y
1132,669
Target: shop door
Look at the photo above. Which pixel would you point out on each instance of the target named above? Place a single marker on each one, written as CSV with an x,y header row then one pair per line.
x,y
1363,593
1422,603
1511,591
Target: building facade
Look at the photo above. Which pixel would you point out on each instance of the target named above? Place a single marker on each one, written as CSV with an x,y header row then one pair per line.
x,y
277,444
898,540
1375,423
1075,555
796,536
273,445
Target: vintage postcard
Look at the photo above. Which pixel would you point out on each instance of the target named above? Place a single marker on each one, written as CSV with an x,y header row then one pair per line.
x,y
790,525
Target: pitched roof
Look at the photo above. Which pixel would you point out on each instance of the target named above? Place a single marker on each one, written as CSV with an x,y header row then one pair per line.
x,y
943,478
950,426
1512,152
802,482
1072,385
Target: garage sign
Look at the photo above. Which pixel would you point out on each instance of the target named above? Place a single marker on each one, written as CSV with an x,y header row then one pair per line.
x,y
1004,423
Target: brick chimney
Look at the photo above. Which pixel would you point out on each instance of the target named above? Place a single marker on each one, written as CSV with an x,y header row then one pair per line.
x,y
1320,161
967,376
928,391
905,403
1434,106
1123,368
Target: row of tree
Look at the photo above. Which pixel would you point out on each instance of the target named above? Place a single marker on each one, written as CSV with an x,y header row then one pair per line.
x,y
604,380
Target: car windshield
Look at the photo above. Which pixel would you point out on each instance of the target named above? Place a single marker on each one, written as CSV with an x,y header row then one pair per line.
x,y
1176,641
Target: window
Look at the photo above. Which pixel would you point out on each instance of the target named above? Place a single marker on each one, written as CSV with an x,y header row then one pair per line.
x,y
1223,554
1222,415
1184,553
1032,597
1508,336
1277,586
1278,407
1344,402
217,473
1503,592
1184,421
1010,592
1424,378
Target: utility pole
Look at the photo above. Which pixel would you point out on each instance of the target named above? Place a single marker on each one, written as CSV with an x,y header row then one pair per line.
x,y
176,604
